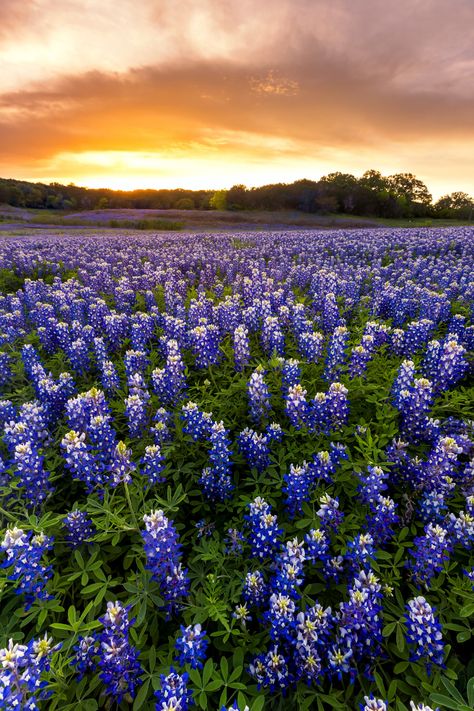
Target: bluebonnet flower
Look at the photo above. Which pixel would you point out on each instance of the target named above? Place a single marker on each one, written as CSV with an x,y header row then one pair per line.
x,y
196,423
424,633
234,541
255,447
273,339
312,630
24,553
234,707
102,440
271,670
109,376
317,545
242,614
417,335
280,616
135,362
220,458
161,430
151,464
80,528
241,348
310,346
371,484
382,519
297,488
370,703
204,340
205,528
296,406
461,527
330,313
318,414
33,479
263,529
78,354
255,590
22,668
118,659
80,409
100,350
288,569
336,352
358,362
5,370
82,462
274,432
173,694
414,403
259,396
432,506
470,576
136,413
163,553
85,652
339,660
8,412
429,552
421,707
451,366
290,373
329,513
121,466
360,551
191,646
337,405
359,622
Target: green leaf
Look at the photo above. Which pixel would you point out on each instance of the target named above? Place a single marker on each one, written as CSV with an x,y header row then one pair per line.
x,y
451,689
214,685
388,629
400,639
463,636
400,667
257,704
224,668
207,672
380,684
141,696
445,701
392,690
470,691
467,610
152,659
203,700
71,615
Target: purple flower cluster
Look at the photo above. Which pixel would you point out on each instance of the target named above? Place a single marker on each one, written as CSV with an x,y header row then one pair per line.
x,y
24,554
424,633
163,554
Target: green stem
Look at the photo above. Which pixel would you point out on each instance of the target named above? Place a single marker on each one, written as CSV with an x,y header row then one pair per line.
x,y
129,501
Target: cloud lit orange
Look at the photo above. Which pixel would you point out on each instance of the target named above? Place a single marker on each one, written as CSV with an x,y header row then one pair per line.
x,y
161,94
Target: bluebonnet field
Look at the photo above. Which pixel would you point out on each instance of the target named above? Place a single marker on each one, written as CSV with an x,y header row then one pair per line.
x,y
237,471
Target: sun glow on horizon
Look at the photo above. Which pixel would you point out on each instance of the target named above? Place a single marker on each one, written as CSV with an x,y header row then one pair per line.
x,y
195,169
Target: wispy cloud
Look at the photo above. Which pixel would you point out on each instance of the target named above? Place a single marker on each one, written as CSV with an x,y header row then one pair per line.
x,y
297,80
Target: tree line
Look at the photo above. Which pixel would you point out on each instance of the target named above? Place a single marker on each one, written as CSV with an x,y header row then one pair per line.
x,y
400,195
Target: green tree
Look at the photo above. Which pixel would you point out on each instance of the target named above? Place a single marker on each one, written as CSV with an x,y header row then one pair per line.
x,y
219,200
410,187
457,204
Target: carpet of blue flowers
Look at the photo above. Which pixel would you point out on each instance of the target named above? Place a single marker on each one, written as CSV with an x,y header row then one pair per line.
x,y
237,471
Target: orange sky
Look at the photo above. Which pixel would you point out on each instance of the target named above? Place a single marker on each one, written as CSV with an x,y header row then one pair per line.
x,y
155,93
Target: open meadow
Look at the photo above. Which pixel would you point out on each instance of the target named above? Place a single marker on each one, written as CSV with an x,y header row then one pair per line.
x,y
237,469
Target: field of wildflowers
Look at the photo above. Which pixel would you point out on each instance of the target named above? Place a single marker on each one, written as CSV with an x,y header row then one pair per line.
x,y
237,471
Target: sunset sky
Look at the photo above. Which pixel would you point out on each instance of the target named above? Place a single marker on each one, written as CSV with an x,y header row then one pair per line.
x,y
209,93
